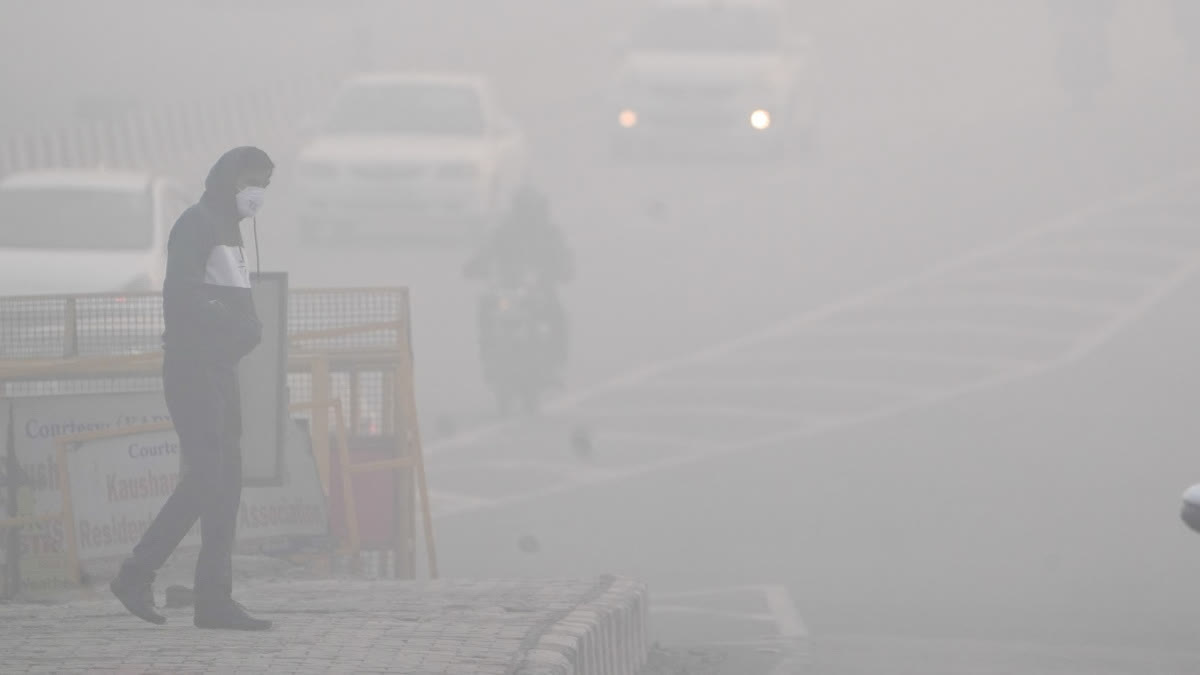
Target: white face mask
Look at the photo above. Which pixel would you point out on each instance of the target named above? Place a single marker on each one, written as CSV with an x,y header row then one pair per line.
x,y
250,200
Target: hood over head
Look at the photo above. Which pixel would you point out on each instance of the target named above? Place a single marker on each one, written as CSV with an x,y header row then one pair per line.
x,y
220,185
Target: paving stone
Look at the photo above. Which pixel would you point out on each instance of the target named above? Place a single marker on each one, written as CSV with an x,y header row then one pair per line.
x,y
460,627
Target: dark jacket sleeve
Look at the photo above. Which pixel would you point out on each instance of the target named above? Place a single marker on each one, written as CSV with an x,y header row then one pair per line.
x,y
204,321
188,249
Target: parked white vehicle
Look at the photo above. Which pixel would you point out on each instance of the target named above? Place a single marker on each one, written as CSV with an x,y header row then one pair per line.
x,y
398,153
69,231
1191,507
714,74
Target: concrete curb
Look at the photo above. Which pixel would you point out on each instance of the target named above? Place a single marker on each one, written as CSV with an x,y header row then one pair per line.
x,y
607,634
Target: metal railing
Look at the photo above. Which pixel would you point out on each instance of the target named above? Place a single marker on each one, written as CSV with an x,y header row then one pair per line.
x,y
349,357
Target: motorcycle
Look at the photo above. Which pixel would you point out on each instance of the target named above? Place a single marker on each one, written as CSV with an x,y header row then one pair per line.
x,y
518,344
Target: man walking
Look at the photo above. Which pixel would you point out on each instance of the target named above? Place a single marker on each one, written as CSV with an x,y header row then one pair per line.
x,y
210,325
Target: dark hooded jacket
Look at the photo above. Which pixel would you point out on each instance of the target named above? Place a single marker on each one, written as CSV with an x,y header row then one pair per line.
x,y
207,305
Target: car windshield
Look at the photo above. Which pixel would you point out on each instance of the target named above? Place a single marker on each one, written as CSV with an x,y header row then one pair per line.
x,y
416,108
742,29
75,218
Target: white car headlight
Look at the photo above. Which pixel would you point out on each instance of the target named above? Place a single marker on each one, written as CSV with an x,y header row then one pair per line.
x,y
760,119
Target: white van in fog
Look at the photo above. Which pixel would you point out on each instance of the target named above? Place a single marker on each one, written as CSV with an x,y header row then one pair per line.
x,y
714,74
404,152
68,231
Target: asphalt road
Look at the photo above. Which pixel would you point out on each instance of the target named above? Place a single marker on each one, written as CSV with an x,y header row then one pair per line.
x,y
966,497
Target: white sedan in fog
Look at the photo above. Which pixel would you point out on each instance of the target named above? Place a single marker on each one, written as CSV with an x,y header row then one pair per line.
x,y
68,231
403,152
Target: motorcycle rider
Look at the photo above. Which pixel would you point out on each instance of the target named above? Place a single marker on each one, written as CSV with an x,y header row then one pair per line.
x,y
527,244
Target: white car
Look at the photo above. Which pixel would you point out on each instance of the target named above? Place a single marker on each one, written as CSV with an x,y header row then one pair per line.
x,y
67,231
403,152
714,74
1191,507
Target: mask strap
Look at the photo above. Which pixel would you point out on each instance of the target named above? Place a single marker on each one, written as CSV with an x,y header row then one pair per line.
x,y
257,261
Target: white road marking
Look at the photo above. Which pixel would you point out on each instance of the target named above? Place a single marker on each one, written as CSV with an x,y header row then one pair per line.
x,y
1058,273
635,438
1128,247
1066,223
1091,342
767,358
937,326
466,439
787,619
764,383
1015,370
490,464
657,412
974,300
817,428
788,636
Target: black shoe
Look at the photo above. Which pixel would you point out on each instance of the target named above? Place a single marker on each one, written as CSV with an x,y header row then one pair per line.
x,y
226,614
134,589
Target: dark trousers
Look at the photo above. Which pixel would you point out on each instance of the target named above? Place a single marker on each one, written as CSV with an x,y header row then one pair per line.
x,y
205,405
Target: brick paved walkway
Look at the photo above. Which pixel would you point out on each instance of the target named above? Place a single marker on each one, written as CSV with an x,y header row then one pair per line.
x,y
452,627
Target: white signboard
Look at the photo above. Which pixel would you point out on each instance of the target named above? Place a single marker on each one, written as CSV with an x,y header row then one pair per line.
x,y
38,421
119,484
262,375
